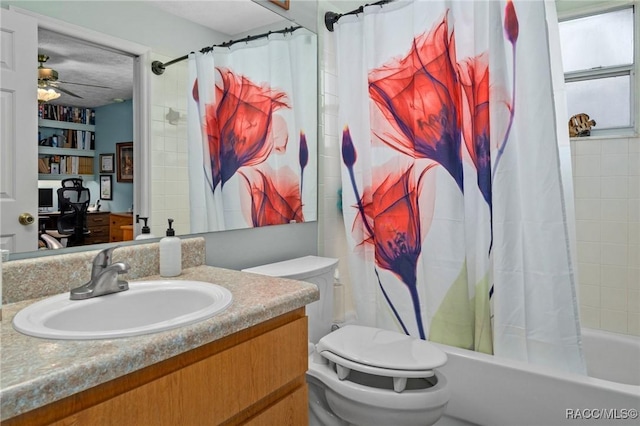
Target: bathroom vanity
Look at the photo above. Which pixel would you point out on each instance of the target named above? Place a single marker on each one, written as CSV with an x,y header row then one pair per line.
x,y
244,366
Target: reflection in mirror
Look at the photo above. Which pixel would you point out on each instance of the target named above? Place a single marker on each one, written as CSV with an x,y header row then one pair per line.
x,y
251,139
78,131
168,163
186,182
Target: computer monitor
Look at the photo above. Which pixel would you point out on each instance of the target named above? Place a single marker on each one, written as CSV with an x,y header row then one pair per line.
x,y
45,199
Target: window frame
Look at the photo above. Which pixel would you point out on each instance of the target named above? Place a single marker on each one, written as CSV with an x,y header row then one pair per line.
x,y
612,71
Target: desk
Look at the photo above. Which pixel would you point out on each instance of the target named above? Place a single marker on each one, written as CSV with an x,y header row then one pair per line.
x,y
97,222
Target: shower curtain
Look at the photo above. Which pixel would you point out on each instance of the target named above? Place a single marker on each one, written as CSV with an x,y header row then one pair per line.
x,y
451,185
252,120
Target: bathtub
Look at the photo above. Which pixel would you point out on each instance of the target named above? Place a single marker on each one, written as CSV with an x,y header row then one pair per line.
x,y
492,391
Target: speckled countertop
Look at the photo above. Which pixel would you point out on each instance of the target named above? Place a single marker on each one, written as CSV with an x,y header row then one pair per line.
x,y
37,371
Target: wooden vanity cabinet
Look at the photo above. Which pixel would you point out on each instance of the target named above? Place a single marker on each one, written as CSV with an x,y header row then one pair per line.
x,y
253,377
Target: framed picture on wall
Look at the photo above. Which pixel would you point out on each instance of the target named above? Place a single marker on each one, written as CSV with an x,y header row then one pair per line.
x,y
124,159
282,3
106,187
107,162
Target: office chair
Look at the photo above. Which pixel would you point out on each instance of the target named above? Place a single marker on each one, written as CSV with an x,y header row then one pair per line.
x,y
73,202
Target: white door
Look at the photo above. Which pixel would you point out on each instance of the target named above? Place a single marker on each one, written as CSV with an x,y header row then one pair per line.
x,y
18,132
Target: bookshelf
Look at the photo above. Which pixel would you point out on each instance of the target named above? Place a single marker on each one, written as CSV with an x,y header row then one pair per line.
x,y
73,154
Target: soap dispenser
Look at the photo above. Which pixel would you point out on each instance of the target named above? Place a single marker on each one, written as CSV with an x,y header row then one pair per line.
x,y
145,231
170,253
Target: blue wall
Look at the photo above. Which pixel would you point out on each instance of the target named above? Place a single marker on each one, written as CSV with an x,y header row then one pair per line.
x,y
114,124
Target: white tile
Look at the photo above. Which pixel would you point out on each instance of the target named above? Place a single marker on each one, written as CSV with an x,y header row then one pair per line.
x,y
614,165
633,324
587,187
330,105
589,273
588,209
613,276
331,84
587,165
590,295
614,187
615,210
633,278
157,129
614,254
634,145
586,147
633,186
614,232
634,233
589,252
157,113
613,298
588,230
634,210
157,174
634,165
633,301
615,321
615,146
590,317
634,254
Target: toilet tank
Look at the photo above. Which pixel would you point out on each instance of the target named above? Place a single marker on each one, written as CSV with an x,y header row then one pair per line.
x,y
315,270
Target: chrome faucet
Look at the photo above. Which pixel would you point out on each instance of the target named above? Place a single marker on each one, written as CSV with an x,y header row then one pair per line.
x,y
104,277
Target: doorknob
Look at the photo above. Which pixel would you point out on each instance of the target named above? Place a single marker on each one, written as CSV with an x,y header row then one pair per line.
x,y
26,219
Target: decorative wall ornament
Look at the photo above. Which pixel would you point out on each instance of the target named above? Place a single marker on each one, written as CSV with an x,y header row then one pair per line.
x,y
124,153
106,187
107,163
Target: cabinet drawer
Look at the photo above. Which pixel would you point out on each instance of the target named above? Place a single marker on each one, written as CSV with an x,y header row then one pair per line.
x,y
97,220
99,232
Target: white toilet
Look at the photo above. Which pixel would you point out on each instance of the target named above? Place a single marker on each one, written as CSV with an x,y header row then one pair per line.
x,y
361,375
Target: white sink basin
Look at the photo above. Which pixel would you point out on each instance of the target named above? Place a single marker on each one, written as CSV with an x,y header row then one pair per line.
x,y
147,307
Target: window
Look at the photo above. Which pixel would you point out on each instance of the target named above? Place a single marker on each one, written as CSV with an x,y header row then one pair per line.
x,y
598,60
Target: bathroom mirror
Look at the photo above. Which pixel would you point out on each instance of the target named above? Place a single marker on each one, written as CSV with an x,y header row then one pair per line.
x,y
165,127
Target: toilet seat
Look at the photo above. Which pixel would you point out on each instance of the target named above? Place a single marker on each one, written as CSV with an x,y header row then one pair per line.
x,y
376,406
380,352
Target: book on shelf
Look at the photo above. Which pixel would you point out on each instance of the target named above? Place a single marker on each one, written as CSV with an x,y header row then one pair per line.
x,y
65,164
68,114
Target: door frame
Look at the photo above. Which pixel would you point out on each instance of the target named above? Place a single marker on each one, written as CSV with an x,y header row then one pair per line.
x,y
141,96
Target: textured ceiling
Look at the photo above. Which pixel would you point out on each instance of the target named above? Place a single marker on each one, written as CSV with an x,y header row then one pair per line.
x,y
79,63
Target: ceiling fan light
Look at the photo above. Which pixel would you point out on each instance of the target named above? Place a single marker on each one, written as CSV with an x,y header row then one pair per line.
x,y
47,74
46,95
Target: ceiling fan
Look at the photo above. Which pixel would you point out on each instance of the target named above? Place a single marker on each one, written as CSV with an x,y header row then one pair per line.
x,y
48,77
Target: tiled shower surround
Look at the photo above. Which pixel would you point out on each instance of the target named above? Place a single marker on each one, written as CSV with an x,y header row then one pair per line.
x,y
606,181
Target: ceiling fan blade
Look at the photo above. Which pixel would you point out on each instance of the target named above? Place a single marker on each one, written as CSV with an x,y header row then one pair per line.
x,y
83,84
68,92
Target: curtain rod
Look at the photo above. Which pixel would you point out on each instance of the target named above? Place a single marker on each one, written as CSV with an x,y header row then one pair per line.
x,y
330,18
158,67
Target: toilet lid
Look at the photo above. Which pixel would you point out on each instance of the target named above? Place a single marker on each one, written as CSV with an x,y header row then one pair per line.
x,y
300,268
382,348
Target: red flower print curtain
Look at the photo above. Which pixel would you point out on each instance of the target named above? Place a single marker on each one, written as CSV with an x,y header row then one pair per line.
x,y
252,114
452,195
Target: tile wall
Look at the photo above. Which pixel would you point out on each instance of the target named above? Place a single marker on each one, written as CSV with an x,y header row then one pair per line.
x,y
169,173
607,197
332,237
